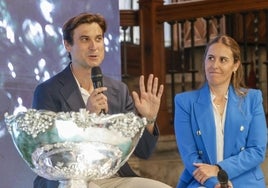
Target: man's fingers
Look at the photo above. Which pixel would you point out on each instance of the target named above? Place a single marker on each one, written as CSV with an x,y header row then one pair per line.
x,y
160,91
155,86
142,86
150,83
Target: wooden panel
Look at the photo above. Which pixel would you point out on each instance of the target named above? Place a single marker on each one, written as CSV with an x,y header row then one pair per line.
x,y
238,27
133,59
129,18
198,9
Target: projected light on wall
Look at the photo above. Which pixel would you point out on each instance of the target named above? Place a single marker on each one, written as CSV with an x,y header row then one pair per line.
x,y
31,48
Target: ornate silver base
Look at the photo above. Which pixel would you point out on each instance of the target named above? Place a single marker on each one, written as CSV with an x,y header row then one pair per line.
x,y
73,184
77,161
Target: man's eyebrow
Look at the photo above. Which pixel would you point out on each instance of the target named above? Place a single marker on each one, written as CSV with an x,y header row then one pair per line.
x,y
83,36
225,57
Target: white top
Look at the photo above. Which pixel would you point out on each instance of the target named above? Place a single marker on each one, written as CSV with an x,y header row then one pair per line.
x,y
84,92
219,122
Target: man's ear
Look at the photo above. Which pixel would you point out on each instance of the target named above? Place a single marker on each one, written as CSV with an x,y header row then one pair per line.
x,y
67,45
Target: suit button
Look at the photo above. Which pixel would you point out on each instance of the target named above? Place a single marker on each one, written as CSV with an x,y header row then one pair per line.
x,y
198,132
242,148
242,128
200,152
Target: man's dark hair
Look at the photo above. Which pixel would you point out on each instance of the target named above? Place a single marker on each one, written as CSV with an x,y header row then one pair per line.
x,y
74,22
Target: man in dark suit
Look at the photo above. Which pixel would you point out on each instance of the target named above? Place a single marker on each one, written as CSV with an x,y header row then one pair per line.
x,y
73,89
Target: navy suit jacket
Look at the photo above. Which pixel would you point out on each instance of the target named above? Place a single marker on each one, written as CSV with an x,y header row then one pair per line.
x,y
245,136
62,94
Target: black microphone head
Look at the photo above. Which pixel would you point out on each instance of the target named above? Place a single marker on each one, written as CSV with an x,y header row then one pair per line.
x,y
96,76
96,71
222,177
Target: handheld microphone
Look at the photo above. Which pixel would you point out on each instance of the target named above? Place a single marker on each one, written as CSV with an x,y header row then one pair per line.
x,y
96,76
223,178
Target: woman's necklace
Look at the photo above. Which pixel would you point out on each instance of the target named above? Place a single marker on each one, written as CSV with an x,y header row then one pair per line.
x,y
220,106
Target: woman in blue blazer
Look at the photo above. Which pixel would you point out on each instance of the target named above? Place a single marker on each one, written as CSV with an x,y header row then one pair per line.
x,y
221,125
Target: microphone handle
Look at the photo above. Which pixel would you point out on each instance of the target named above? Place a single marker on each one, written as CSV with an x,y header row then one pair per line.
x,y
223,178
98,84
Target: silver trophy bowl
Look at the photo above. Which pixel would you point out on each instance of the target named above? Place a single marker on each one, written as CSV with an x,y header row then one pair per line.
x,y
74,147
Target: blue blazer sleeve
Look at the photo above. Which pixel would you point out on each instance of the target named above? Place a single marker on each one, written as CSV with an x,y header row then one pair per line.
x,y
245,136
245,147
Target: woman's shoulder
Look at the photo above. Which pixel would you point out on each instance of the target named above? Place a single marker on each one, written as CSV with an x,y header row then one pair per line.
x,y
251,92
188,95
255,95
190,92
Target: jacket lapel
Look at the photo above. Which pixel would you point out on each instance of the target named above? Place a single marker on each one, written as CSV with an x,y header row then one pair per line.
x,y
205,123
233,122
70,91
